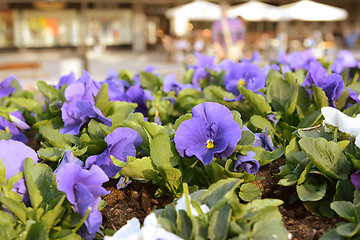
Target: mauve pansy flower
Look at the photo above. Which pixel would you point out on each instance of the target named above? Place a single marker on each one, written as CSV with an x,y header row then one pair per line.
x,y
332,85
137,95
303,59
247,163
170,84
85,88
248,75
264,140
201,70
122,142
15,126
83,190
69,158
210,131
76,113
355,179
67,79
13,154
5,86
345,59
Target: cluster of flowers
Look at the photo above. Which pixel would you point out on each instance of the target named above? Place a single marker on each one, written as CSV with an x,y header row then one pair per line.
x,y
210,132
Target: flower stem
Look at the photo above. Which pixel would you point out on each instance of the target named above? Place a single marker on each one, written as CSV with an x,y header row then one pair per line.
x,y
187,198
82,220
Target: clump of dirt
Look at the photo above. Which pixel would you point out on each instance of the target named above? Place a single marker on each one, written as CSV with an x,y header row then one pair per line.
x,y
137,200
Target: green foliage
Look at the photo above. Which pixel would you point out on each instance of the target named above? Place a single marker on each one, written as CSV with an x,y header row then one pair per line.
x,y
227,218
47,213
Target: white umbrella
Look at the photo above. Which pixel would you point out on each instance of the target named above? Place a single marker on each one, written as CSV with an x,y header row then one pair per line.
x,y
306,10
197,10
258,11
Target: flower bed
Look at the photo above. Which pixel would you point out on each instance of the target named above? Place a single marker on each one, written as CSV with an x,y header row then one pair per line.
x,y
237,150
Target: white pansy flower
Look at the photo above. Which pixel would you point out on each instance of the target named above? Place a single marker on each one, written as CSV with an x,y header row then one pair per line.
x,y
150,231
181,205
342,121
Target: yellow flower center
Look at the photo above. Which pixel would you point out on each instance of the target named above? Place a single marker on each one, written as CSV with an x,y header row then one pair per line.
x,y
209,144
7,129
241,82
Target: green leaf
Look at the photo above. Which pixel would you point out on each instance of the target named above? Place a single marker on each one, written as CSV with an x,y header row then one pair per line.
x,y
342,100
54,137
51,154
18,209
265,157
249,192
219,191
247,138
173,178
42,176
279,95
119,112
216,93
188,76
326,156
348,229
2,172
257,101
140,168
344,191
149,81
184,225
160,151
331,235
6,218
219,223
34,193
320,97
5,135
95,130
311,190
346,210
102,99
181,119
29,104
259,123
49,92
51,215
37,231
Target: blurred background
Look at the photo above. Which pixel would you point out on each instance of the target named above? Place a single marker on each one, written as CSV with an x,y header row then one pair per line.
x,y
43,40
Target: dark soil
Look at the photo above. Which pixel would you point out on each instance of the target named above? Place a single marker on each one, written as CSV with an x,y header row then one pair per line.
x,y
137,200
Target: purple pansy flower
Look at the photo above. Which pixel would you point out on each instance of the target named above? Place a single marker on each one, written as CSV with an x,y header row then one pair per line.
x,y
69,158
211,130
85,88
246,74
76,113
264,140
201,70
137,95
5,86
116,86
302,59
17,123
13,154
255,58
83,190
333,84
247,163
170,84
67,79
345,59
122,142
355,179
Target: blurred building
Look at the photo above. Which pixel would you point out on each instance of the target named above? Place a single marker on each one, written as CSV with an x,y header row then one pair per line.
x,y
130,24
